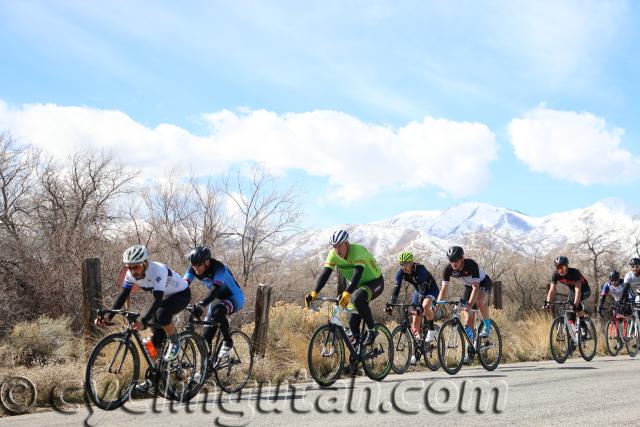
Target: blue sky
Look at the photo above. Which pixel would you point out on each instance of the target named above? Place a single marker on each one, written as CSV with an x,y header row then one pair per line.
x,y
372,108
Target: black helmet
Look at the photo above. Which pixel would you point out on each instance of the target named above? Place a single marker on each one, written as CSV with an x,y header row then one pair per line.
x,y
634,261
561,260
199,254
614,276
455,253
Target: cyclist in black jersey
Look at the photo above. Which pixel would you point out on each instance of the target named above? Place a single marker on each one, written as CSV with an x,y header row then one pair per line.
x,y
578,286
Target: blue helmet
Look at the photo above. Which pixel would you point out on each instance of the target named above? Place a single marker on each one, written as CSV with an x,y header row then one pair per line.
x,y
338,237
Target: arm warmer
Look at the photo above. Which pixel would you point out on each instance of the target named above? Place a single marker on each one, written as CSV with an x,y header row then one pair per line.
x,y
355,280
120,299
322,279
157,299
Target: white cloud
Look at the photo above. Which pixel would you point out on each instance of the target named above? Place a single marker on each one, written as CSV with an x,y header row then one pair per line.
x,y
359,159
574,146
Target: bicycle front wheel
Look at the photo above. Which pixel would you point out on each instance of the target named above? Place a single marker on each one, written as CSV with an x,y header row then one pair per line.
x,y
632,338
430,350
183,377
587,339
377,358
559,340
451,347
112,371
325,355
233,372
403,349
489,348
612,337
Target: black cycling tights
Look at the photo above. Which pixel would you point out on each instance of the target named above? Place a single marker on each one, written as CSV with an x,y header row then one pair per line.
x,y
218,313
360,298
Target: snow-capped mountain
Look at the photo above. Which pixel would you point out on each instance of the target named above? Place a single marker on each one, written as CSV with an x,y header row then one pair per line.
x,y
434,231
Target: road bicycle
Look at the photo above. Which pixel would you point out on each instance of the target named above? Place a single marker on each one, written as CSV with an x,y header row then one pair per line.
x,y
231,373
113,367
453,339
405,344
326,352
564,336
622,331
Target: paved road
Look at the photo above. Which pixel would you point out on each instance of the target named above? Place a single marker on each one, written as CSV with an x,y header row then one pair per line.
x,y
541,393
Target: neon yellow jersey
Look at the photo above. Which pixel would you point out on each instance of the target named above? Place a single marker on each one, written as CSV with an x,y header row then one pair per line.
x,y
356,256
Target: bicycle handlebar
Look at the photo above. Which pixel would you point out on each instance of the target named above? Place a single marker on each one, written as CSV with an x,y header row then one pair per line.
x,y
131,316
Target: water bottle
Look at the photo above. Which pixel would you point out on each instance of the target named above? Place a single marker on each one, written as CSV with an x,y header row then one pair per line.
x,y
469,331
151,349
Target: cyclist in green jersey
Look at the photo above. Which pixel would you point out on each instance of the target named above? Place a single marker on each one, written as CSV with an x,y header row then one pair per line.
x,y
359,267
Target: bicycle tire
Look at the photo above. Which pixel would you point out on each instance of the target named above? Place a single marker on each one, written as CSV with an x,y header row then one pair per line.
x,y
403,349
375,365
590,336
234,373
560,335
430,350
450,337
482,349
633,337
129,366
185,376
612,337
323,371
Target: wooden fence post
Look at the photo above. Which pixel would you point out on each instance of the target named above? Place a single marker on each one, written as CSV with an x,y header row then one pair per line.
x,y
263,303
91,299
497,294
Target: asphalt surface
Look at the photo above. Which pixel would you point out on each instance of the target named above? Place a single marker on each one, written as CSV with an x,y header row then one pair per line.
x,y
603,391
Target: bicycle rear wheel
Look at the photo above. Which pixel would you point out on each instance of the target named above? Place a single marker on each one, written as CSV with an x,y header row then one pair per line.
x,y
612,337
559,340
588,340
112,371
430,350
325,355
377,358
632,339
403,349
490,348
233,372
451,347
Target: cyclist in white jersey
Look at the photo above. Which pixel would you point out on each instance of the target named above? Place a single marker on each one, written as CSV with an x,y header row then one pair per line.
x,y
632,278
171,295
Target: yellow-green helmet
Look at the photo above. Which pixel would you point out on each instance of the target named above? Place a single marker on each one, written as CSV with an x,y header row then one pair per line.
x,y
405,257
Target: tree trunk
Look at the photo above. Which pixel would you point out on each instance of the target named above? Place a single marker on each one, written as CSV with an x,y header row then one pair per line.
x,y
263,303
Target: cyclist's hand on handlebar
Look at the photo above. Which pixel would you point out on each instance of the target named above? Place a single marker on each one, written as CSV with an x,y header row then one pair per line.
x,y
196,309
546,306
137,326
101,321
344,299
308,299
388,309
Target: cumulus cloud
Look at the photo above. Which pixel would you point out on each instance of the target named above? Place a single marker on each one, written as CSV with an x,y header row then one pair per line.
x,y
577,147
359,159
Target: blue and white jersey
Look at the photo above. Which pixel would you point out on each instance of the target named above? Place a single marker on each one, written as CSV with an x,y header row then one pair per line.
x,y
615,289
158,277
219,277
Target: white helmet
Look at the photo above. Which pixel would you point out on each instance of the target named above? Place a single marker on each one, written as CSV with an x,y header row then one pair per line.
x,y
136,254
339,237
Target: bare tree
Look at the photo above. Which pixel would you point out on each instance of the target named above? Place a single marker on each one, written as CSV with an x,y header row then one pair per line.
x,y
596,244
265,216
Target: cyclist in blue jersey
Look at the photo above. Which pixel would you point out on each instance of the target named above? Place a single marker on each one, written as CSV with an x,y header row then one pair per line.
x,y
225,297
425,290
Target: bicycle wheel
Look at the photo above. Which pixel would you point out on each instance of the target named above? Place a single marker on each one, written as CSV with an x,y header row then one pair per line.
x,y
377,358
430,350
612,337
588,340
403,349
632,339
183,377
325,355
112,371
233,372
451,347
489,348
559,340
